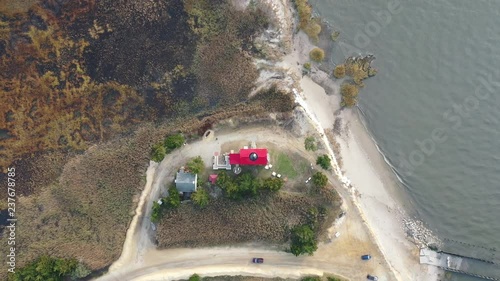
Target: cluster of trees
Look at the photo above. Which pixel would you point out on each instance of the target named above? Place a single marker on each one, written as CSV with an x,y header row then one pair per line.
x,y
324,161
49,268
310,144
308,24
172,201
358,69
304,237
166,146
246,185
303,240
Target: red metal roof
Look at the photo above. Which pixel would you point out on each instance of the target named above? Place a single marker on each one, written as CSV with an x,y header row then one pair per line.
x,y
245,156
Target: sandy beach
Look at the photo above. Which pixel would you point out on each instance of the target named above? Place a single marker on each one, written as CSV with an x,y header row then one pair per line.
x,y
371,183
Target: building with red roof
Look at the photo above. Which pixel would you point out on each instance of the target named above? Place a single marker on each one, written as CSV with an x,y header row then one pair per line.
x,y
250,157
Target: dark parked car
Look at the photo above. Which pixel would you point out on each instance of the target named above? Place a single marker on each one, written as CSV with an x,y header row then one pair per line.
x,y
366,257
371,277
258,260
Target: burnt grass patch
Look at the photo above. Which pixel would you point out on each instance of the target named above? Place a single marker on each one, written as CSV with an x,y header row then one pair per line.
x,y
268,219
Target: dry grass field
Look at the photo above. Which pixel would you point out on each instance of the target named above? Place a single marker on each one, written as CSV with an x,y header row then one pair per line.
x,y
83,209
267,218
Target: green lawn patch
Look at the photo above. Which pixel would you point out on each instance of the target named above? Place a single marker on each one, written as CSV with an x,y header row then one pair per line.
x,y
284,166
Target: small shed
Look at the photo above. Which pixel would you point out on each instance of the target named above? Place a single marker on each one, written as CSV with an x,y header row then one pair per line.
x,y
186,182
212,178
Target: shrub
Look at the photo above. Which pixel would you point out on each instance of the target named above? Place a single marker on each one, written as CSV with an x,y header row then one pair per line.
x,y
333,279
223,179
305,12
307,66
311,278
317,54
195,165
303,240
157,212
158,152
275,99
349,94
200,197
194,277
313,217
335,35
80,271
310,144
273,184
172,142
313,30
324,161
45,268
174,199
339,71
319,179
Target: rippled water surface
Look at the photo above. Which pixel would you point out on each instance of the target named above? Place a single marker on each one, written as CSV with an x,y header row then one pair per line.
x,y
434,105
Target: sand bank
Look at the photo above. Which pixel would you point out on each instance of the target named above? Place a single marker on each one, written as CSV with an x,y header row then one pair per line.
x,y
372,186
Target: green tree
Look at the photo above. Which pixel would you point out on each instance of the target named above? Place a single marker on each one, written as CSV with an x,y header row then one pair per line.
x,y
223,179
310,144
319,179
247,185
172,142
174,199
273,184
317,54
158,152
200,197
196,165
194,277
333,279
324,161
307,66
303,240
45,268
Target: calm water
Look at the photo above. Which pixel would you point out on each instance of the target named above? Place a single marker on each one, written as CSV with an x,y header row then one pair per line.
x,y
434,60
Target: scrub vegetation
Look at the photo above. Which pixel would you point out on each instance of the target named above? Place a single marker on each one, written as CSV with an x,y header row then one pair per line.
x,y
356,69
317,54
266,218
311,26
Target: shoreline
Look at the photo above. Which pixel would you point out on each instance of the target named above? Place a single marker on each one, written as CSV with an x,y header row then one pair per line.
x,y
371,182
374,190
